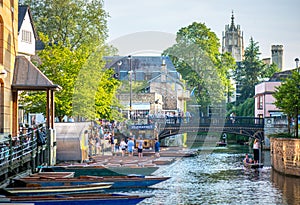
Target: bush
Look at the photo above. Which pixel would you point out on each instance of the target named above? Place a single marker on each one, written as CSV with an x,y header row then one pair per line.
x,y
282,135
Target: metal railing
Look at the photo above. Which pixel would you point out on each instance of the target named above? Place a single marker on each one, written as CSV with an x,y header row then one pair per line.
x,y
21,149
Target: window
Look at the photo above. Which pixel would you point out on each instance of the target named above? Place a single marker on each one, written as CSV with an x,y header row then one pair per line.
x,y
26,36
260,102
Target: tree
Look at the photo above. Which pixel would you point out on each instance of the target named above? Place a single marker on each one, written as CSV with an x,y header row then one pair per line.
x,y
70,22
249,72
196,57
74,32
287,97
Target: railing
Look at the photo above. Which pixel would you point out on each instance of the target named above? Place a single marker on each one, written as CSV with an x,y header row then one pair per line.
x,y
207,121
14,151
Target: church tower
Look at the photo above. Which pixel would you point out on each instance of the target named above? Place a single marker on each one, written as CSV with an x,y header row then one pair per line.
x,y
277,55
233,41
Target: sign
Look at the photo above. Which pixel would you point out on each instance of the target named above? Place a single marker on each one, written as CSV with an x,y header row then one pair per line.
x,y
142,127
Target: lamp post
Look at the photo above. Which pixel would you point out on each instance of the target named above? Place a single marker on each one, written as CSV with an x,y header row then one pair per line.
x,y
119,65
130,85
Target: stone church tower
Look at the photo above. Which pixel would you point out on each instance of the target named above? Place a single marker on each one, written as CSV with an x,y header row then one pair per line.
x,y
277,55
232,41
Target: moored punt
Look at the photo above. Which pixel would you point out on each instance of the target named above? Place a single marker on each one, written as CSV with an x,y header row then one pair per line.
x,y
221,144
90,199
36,189
92,170
118,182
254,165
54,174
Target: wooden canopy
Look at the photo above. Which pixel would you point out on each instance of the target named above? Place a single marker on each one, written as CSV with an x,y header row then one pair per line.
x,y
28,77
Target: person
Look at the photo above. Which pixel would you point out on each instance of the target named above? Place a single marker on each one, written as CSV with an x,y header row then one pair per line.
x,y
256,150
123,147
140,147
157,148
188,116
130,146
98,144
232,117
112,143
247,159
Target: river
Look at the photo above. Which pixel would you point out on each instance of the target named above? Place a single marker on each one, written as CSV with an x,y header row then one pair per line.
x,y
217,176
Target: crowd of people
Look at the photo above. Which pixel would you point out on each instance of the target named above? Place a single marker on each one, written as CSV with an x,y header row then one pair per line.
x,y
101,139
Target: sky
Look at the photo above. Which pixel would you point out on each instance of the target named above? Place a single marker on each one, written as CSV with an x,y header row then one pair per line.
x,y
269,22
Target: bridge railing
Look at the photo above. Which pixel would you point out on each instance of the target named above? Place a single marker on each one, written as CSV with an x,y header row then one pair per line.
x,y
207,121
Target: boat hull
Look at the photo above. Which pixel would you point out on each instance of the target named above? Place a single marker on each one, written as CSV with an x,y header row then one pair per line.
x,y
117,182
90,199
36,189
103,171
254,165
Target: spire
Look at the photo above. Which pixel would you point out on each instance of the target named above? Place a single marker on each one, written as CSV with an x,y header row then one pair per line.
x,y
232,27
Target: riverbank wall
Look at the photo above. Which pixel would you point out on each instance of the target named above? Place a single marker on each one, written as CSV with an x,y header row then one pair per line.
x,y
285,155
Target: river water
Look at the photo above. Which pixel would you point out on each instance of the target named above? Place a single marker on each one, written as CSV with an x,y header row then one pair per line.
x,y
217,176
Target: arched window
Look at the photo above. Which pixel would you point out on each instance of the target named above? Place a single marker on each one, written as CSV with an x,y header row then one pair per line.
x,y
1,40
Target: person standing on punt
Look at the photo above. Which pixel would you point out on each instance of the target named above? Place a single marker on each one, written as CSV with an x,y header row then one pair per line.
x,y
256,150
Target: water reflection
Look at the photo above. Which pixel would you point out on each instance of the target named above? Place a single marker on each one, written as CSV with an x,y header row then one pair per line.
x,y
290,187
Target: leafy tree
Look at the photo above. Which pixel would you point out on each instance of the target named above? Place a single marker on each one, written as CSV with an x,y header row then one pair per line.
x,y
70,22
287,96
249,72
197,58
270,70
73,58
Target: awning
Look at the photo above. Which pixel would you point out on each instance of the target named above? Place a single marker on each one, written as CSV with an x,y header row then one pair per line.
x,y
28,77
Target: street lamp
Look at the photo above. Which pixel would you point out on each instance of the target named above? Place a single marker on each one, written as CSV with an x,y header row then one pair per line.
x,y
130,85
119,65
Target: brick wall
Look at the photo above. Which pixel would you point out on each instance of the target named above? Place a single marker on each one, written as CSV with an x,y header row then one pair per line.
x,y
285,155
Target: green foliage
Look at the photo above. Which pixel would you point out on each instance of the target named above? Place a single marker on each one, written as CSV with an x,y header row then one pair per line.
x,y
281,135
270,70
72,58
197,58
246,108
249,72
71,22
287,95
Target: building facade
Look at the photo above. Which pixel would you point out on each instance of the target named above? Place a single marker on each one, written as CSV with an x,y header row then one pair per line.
x,y
8,52
163,89
264,100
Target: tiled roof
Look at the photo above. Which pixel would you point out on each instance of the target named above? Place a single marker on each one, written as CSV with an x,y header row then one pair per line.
x,y
280,75
139,62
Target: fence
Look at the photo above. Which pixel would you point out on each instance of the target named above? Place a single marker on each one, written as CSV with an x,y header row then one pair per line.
x,y
23,152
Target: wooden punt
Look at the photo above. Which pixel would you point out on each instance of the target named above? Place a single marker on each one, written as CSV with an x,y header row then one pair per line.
x,y
254,165
78,199
102,170
36,189
54,174
118,182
